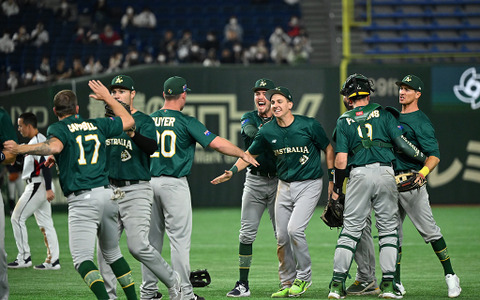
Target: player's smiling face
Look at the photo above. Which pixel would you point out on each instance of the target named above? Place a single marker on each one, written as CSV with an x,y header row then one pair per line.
x,y
407,95
280,105
123,95
264,106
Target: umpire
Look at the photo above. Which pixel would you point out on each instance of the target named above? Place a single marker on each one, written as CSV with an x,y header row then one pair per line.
x,y
364,139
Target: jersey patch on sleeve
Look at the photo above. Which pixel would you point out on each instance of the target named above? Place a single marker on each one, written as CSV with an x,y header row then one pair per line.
x,y
207,133
245,121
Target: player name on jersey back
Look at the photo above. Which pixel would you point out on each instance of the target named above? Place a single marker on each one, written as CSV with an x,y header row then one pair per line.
x,y
85,126
164,121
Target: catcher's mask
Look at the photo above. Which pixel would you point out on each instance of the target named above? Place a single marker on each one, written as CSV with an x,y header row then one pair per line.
x,y
357,85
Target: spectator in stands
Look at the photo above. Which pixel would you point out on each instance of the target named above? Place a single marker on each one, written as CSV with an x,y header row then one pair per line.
x,y
258,53
21,37
77,67
302,48
115,62
127,18
10,8
12,80
280,45
93,66
132,58
167,48
211,60
6,43
145,19
44,72
237,53
197,53
63,12
211,41
39,35
293,27
233,31
61,71
227,57
110,36
27,78
184,46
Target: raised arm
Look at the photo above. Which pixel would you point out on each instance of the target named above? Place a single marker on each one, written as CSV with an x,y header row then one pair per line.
x,y
102,93
50,146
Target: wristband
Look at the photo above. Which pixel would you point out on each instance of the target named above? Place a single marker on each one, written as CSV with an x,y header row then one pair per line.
x,y
234,169
424,171
2,156
338,179
330,174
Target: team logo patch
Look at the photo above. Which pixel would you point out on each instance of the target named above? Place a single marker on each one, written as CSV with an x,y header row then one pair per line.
x,y
274,141
359,113
125,155
207,133
303,159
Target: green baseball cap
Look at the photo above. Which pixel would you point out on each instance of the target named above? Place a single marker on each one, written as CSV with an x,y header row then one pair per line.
x,y
279,90
122,81
175,85
263,84
412,81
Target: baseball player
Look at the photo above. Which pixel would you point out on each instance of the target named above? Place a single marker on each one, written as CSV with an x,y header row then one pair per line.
x,y
419,130
364,136
34,200
129,169
365,280
79,148
260,185
177,135
7,132
296,141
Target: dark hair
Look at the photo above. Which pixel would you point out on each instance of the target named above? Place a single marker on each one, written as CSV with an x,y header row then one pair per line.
x,y
29,119
65,103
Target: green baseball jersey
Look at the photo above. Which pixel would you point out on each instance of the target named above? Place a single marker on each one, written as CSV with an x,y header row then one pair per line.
x,y
7,131
177,135
381,126
126,161
296,147
266,159
82,164
418,129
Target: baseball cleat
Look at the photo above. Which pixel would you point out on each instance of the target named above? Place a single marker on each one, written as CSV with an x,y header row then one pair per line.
x,y
299,287
240,290
197,297
453,283
20,263
281,293
401,288
363,288
389,291
48,266
336,291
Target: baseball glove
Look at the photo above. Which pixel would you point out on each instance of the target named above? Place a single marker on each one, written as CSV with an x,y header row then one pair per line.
x,y
200,278
109,112
406,181
333,213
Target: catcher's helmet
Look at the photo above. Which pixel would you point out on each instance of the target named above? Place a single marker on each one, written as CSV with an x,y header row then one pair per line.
x,y
357,85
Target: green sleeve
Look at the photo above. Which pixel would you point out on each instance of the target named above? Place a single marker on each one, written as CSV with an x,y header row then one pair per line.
x,y
250,130
409,149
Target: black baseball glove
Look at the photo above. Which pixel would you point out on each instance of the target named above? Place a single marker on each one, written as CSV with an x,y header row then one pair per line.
x,y
200,278
109,112
333,213
406,181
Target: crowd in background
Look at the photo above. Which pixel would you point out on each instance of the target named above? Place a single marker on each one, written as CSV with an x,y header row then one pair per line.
x,y
131,37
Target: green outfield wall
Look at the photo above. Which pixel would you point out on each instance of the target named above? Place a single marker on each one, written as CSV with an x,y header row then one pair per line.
x,y
220,96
